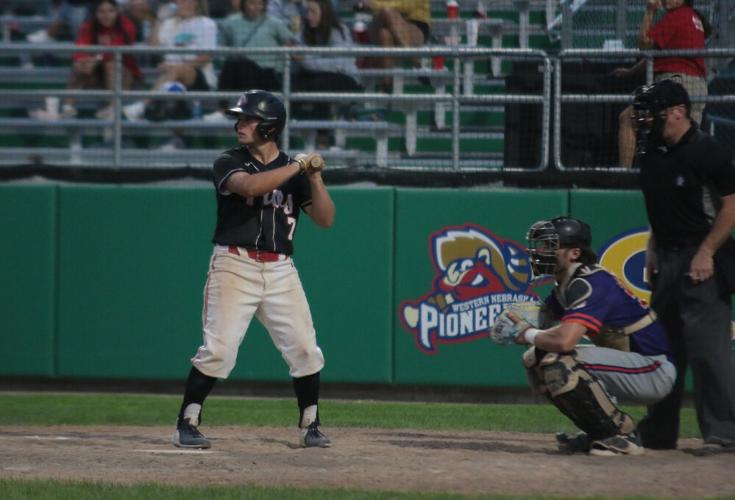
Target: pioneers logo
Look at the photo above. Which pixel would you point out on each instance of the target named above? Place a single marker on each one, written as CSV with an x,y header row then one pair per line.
x,y
624,255
477,275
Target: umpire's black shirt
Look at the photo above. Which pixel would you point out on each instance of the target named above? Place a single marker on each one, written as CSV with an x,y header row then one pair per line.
x,y
683,187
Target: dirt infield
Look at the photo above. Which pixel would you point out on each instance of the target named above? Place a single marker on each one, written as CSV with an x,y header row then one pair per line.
x,y
369,459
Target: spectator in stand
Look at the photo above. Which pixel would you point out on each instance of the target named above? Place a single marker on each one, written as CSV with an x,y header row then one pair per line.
x,y
141,12
252,26
107,26
682,27
188,27
316,73
291,12
319,73
219,9
67,18
398,23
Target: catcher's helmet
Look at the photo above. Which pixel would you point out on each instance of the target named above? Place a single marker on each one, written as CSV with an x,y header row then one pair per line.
x,y
263,105
546,236
648,103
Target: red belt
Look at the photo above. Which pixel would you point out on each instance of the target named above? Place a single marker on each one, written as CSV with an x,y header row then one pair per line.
x,y
259,255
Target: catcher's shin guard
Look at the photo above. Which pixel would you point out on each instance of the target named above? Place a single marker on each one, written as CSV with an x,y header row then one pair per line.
x,y
534,372
579,396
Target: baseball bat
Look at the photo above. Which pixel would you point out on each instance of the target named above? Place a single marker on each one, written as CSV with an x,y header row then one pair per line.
x,y
317,162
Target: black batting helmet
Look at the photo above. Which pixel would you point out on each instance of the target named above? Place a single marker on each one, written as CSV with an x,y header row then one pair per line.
x,y
263,105
546,236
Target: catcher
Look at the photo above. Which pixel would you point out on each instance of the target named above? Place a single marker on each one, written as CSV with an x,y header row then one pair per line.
x,y
630,358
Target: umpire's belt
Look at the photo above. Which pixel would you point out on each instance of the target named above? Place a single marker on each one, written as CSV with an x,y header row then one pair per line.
x,y
258,255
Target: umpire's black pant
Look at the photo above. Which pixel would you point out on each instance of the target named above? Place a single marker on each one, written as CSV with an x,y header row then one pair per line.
x,y
697,319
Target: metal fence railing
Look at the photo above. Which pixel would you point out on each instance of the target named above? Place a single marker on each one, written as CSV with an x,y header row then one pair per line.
x,y
466,121
602,153
456,123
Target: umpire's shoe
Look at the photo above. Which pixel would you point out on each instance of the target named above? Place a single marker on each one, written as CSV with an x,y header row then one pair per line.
x,y
312,437
187,435
622,444
713,446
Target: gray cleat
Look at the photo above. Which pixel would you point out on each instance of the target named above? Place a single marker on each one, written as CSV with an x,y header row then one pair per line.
x,y
187,435
622,444
312,437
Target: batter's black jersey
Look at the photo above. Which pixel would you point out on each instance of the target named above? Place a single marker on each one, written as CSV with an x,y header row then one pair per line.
x,y
683,187
265,222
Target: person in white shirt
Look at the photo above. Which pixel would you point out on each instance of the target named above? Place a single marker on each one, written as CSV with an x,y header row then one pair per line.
x,y
188,27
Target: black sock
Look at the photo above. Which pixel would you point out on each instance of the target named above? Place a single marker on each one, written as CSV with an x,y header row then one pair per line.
x,y
198,387
307,393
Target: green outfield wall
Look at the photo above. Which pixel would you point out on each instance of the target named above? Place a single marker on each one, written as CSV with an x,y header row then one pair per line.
x,y
106,281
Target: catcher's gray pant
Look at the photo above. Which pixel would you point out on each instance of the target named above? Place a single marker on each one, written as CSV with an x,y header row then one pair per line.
x,y
238,288
628,376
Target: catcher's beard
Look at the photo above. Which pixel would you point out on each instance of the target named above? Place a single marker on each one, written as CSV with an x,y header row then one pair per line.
x,y
542,264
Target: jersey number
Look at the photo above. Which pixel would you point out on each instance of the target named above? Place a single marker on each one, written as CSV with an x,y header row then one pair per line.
x,y
292,223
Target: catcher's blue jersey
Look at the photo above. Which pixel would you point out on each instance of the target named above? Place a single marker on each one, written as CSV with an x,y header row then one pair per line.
x,y
596,299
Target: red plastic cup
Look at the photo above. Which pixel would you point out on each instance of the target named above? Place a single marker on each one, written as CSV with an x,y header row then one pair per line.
x,y
452,9
360,33
437,62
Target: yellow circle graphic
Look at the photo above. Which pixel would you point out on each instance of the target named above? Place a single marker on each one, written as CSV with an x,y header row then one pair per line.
x,y
624,256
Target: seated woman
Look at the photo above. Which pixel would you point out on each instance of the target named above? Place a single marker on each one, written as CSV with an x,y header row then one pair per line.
x,y
189,27
253,27
105,26
320,73
398,23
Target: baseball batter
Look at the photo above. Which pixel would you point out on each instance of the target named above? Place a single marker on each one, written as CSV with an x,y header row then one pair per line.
x,y
260,193
630,359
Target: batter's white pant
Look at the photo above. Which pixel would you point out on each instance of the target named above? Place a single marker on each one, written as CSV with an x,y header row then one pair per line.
x,y
239,287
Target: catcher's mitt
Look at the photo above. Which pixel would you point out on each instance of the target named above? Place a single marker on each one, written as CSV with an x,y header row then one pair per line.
x,y
517,317
310,163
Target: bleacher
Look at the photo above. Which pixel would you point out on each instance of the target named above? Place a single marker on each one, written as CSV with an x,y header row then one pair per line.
x,y
383,133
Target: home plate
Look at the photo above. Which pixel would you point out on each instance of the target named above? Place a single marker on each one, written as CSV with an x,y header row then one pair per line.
x,y
51,438
195,450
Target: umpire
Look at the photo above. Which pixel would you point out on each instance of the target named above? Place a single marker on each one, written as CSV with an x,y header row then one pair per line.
x,y
688,182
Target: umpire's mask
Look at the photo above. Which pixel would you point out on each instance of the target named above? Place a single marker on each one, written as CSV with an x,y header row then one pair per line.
x,y
649,104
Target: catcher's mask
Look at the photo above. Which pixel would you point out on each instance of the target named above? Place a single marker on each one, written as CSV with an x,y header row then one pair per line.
x,y
265,106
547,236
649,104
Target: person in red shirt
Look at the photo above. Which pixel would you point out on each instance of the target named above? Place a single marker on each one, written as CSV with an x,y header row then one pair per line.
x,y
682,27
105,25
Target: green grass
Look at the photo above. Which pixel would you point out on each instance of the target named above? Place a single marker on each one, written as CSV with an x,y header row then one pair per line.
x,y
130,409
13,489
21,489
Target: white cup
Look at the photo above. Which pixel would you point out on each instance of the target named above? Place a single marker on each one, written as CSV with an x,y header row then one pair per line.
x,y
52,106
613,44
473,29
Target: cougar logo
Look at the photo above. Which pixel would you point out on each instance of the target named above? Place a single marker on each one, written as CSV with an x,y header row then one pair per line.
x,y
476,275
